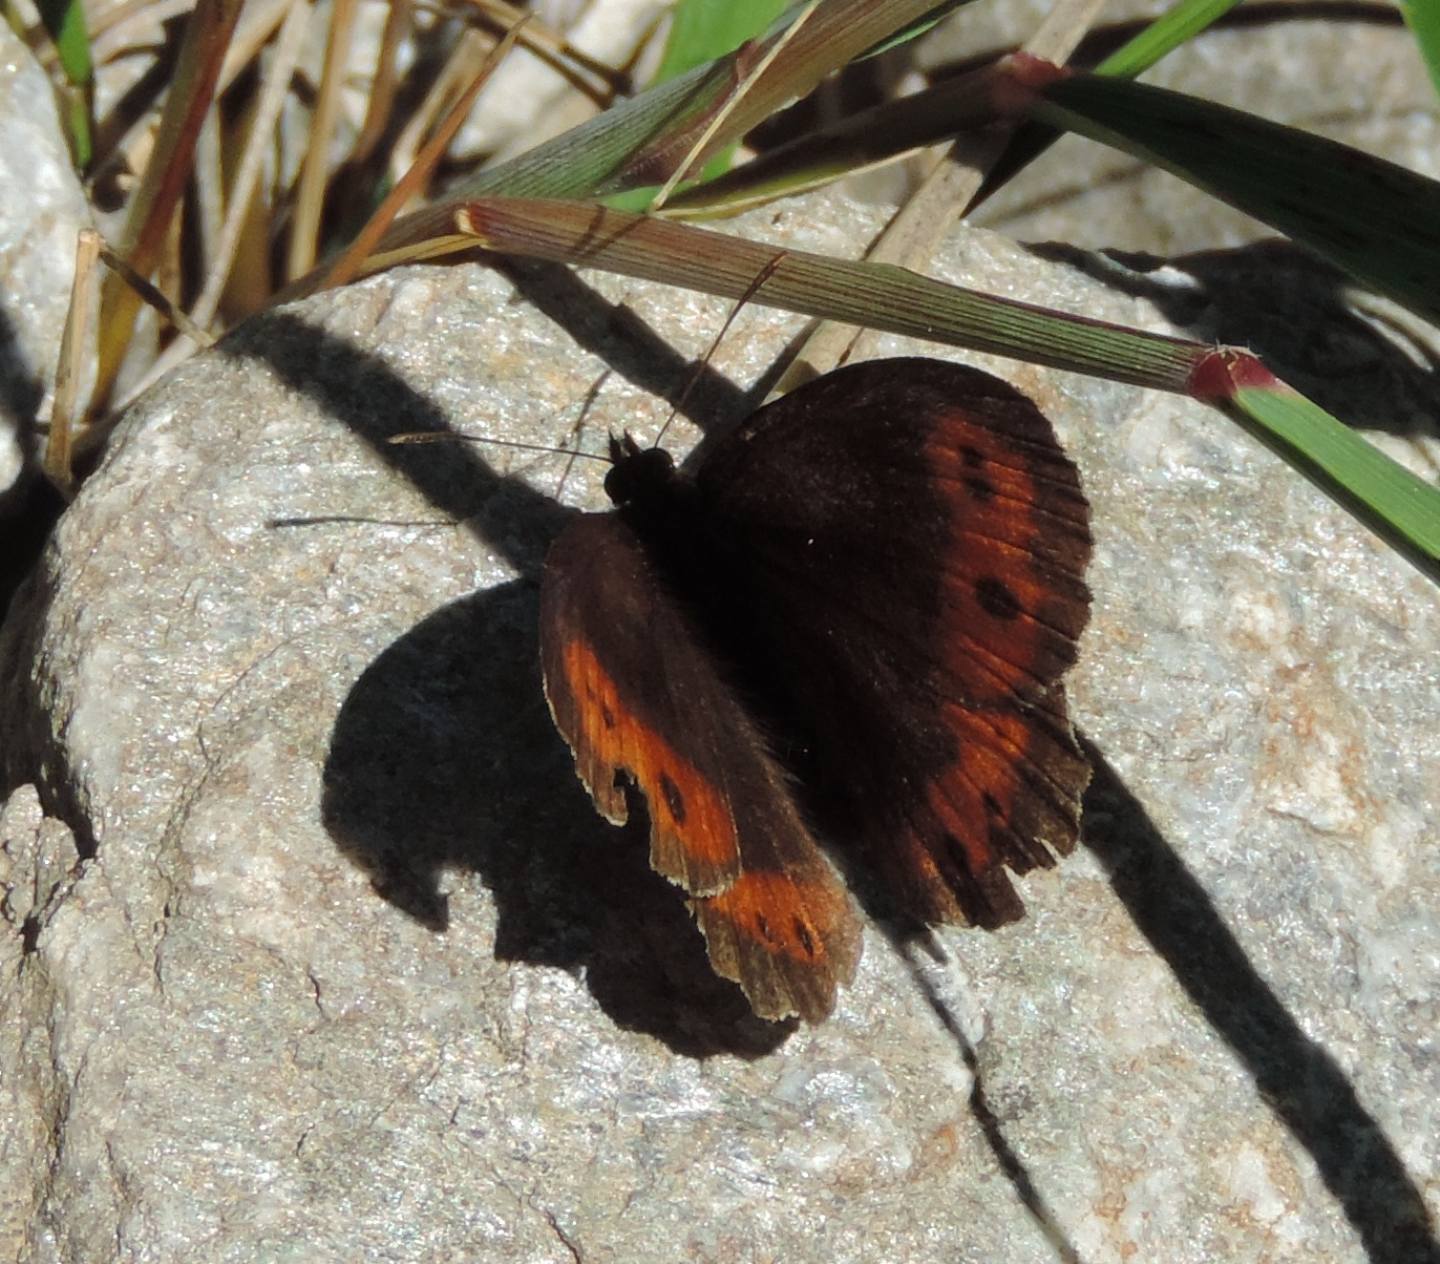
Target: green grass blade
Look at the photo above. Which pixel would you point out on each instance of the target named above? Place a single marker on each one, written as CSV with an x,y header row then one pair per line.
x,y
927,117
702,31
1173,28
877,295
1399,505
65,22
585,159
1166,33
639,141
914,30
1375,220
854,143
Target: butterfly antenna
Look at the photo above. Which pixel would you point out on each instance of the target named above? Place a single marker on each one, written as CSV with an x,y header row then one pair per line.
x,y
449,436
574,436
751,290
572,454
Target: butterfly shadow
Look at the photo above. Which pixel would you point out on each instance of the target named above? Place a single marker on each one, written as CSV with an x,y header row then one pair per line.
x,y
443,760
1300,1082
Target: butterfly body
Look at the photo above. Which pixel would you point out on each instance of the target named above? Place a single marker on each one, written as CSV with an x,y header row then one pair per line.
x,y
849,624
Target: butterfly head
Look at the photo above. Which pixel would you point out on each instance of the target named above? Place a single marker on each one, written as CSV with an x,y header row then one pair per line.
x,y
638,474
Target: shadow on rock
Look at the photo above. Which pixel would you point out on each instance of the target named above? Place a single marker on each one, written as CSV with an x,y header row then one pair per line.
x,y
444,757
1374,369
1298,1078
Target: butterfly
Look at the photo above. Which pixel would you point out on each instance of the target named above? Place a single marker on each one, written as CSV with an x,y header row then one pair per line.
x,y
844,629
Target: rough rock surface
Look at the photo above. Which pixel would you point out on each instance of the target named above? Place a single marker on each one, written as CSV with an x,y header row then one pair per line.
x,y
350,969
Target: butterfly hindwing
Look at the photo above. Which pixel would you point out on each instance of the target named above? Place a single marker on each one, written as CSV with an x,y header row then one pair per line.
x,y
640,697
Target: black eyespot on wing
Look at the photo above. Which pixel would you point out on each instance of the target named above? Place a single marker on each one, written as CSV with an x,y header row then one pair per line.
x,y
996,599
674,800
802,933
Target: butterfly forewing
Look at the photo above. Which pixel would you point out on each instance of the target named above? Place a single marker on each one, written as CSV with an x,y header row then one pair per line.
x,y
908,542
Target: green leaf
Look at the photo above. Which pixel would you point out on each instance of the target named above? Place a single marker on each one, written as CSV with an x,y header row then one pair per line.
x,y
703,30
1423,19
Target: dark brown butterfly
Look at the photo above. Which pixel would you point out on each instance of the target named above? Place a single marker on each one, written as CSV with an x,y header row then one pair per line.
x,y
849,623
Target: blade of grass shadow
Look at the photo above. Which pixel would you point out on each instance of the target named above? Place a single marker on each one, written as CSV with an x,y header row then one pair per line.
x,y
1296,1077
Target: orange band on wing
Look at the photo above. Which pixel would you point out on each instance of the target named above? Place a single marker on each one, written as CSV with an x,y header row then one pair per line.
x,y
785,916
683,802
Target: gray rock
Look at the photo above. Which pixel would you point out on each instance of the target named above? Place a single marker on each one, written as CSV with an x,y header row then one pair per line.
x,y
350,969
